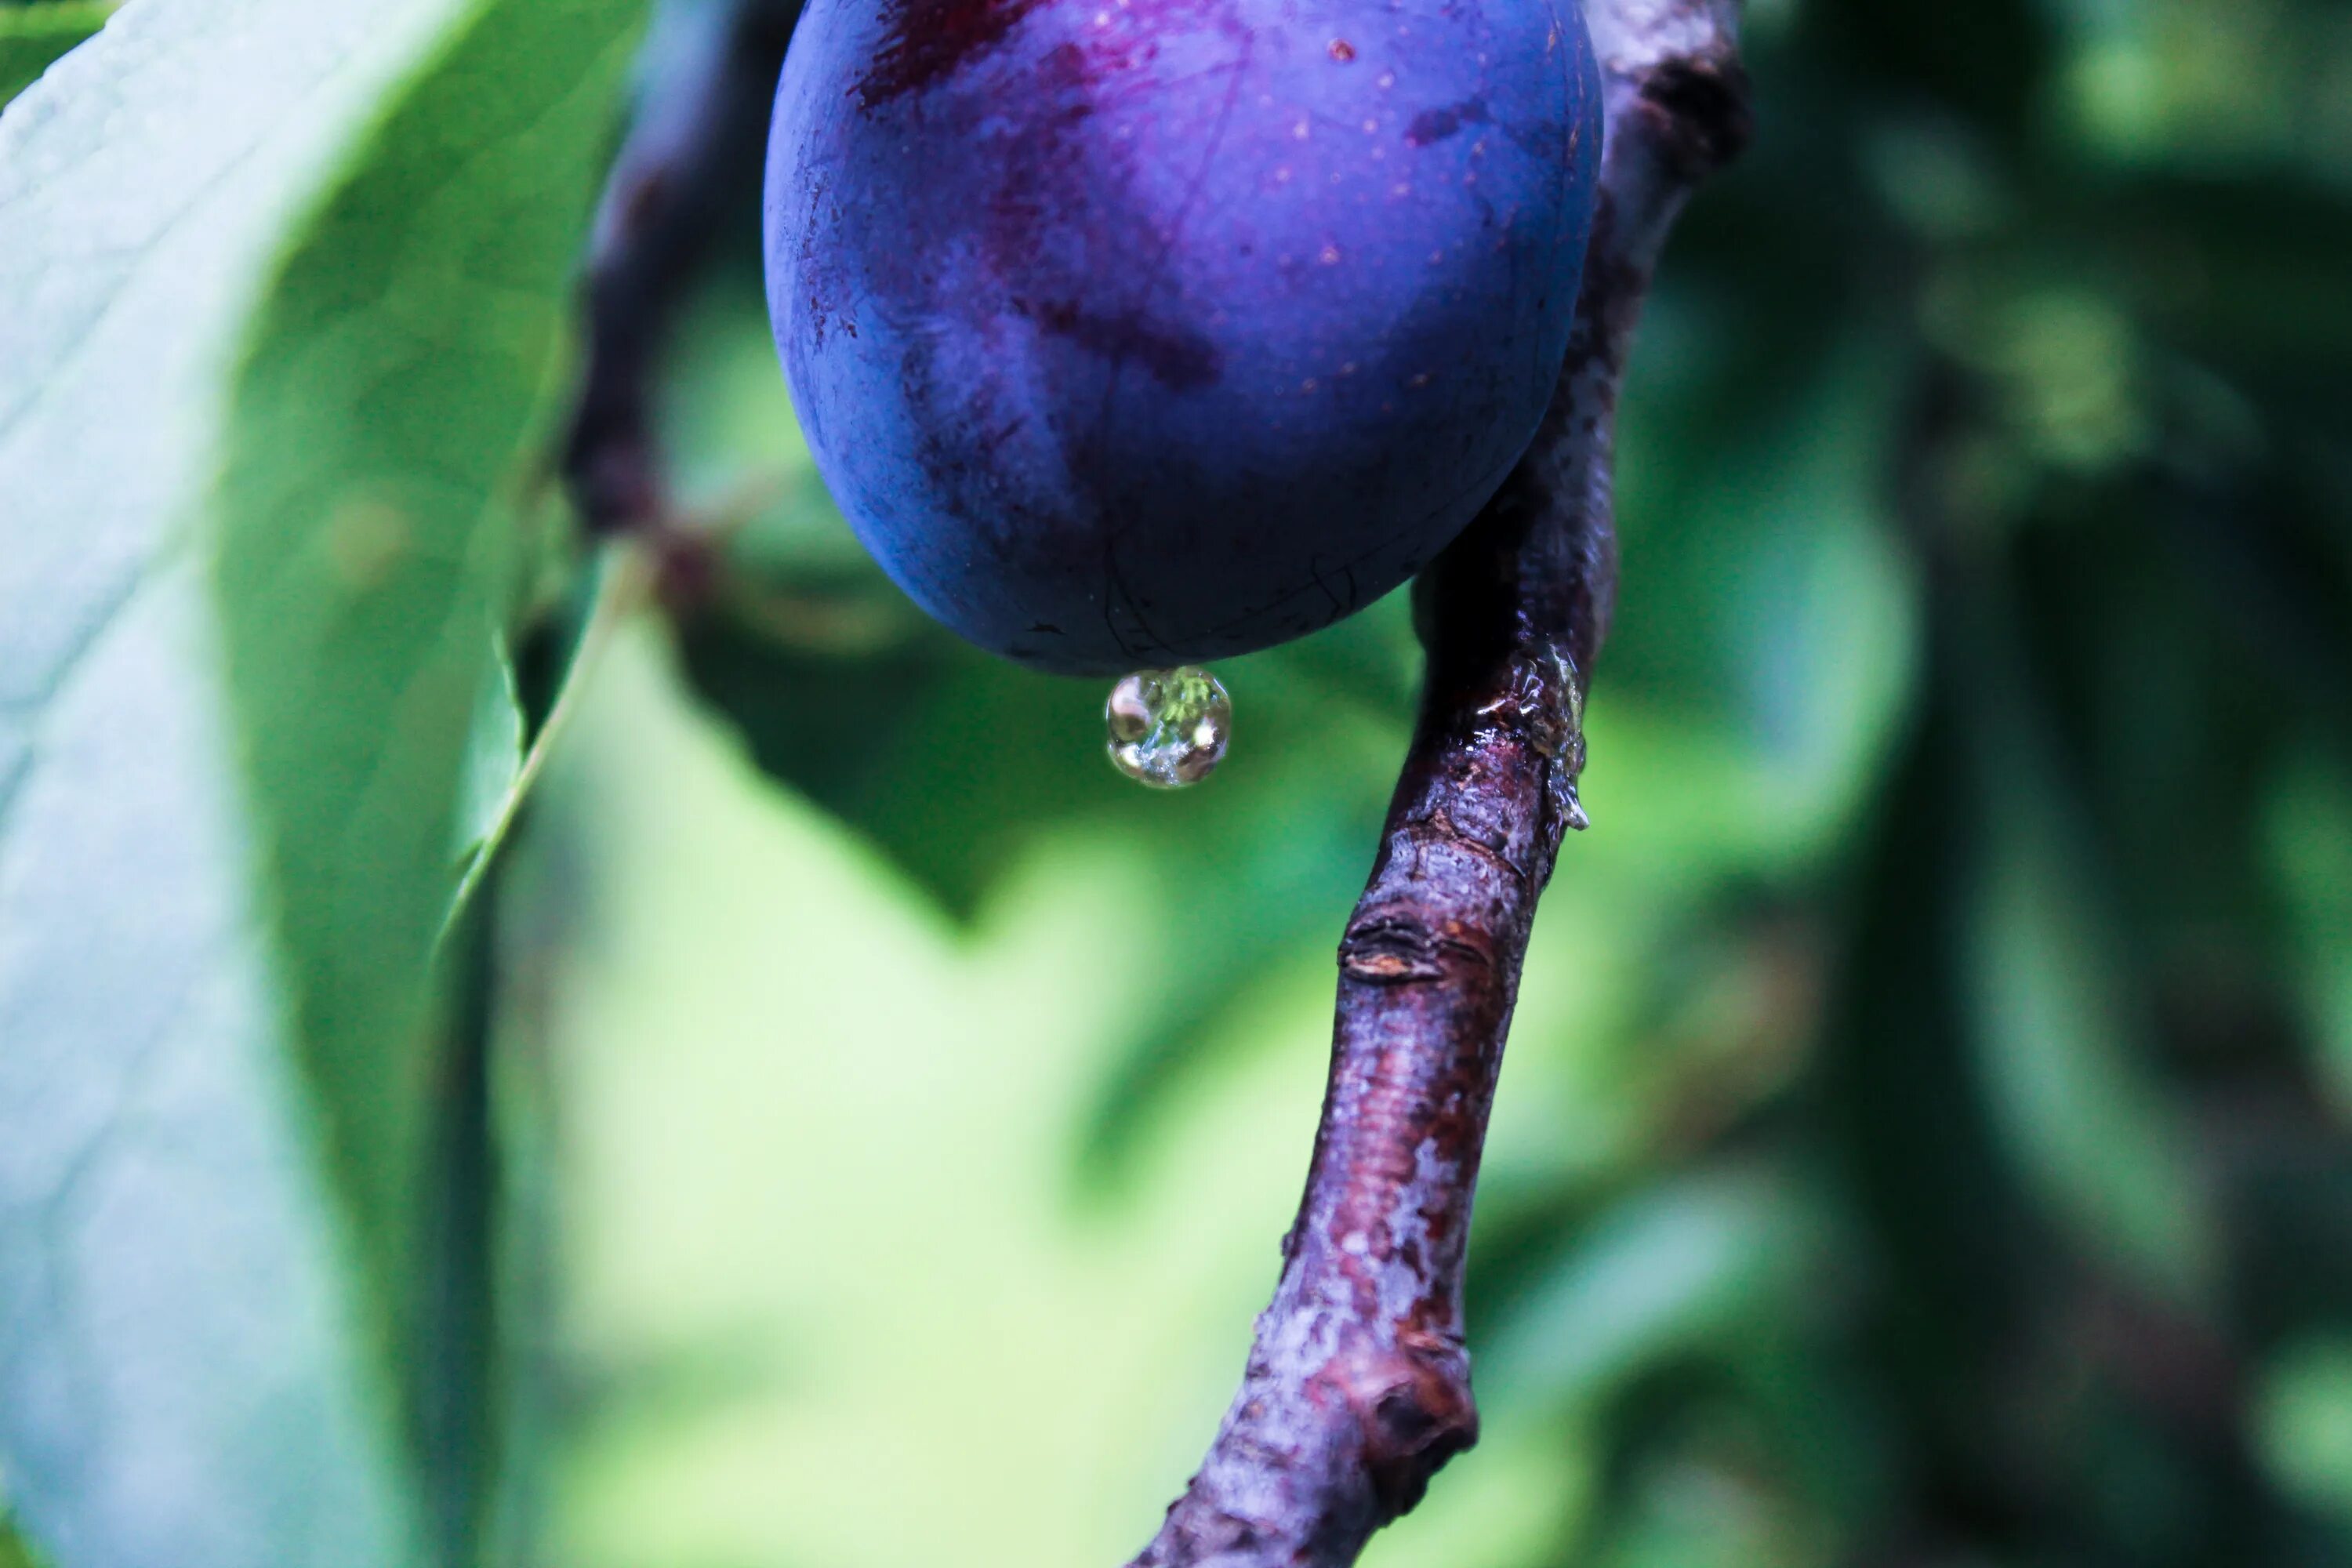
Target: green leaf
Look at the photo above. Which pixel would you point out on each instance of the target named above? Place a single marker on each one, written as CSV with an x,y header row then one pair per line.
x,y
1683,1267
2302,1422
16,1552
363,563
2307,830
1762,653
2091,1128
884,742
286,282
2063,1031
33,40
766,1280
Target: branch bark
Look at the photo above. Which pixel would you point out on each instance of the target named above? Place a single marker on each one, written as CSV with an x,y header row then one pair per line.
x,y
1358,1385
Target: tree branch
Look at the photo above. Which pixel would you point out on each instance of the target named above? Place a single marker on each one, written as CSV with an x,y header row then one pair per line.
x,y
693,148
1357,1387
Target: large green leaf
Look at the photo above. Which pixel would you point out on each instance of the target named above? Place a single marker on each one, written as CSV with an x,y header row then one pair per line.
x,y
284,283
361,569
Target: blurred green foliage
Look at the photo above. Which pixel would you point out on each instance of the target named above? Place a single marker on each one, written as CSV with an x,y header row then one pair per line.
x,y
853,1126
32,39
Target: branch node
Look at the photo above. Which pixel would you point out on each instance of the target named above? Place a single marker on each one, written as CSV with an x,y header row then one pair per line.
x,y
1702,113
1398,945
1419,1415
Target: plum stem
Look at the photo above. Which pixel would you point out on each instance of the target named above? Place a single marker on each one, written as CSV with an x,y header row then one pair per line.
x,y
1358,1384
694,144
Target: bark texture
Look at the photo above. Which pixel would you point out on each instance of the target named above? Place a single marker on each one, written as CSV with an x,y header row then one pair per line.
x,y
1358,1386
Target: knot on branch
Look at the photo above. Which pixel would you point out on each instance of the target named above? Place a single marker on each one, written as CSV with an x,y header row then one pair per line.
x,y
1701,113
1391,949
1397,946
1416,1411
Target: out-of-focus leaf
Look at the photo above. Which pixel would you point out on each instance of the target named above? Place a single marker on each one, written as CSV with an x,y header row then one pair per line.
x,y
2163,662
2088,1124
16,1552
1952,1237
759,1032
33,39
1763,647
955,763
2308,834
284,285
2210,85
2303,1422
2062,1033
1984,61
494,755
1686,1267
361,581
1706,1511
2244,273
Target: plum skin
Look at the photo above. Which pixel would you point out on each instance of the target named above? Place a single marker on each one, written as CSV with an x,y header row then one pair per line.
x,y
1137,332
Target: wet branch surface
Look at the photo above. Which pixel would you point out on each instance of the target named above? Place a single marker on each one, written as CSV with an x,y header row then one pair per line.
x,y
1357,1387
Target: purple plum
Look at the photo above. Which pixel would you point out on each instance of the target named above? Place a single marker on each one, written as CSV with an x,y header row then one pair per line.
x,y
1139,332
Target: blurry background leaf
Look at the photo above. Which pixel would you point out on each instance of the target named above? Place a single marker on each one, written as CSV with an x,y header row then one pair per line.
x,y
2306,1421
33,38
16,1552
1682,1269
292,284
2059,1021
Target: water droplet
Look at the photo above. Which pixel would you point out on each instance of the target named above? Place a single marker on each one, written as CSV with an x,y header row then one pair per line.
x,y
1168,727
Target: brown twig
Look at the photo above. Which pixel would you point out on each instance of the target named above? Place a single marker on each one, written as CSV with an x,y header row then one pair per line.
x,y
1358,1386
693,148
